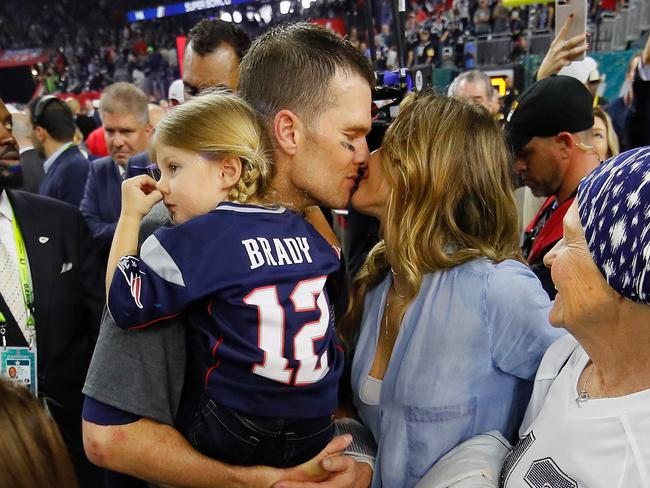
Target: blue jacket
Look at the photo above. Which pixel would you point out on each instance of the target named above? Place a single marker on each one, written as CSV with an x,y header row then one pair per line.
x,y
463,364
66,178
102,200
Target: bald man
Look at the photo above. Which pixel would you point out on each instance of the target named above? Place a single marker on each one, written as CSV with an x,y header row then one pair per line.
x,y
30,161
155,114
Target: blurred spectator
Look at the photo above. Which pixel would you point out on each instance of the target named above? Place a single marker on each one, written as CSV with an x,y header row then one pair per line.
x,y
501,17
422,51
156,113
482,18
462,7
637,123
66,169
353,37
618,109
517,25
520,48
31,163
85,123
96,143
605,138
475,86
176,93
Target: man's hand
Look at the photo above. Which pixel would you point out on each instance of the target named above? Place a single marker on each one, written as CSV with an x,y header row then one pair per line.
x,y
342,471
562,52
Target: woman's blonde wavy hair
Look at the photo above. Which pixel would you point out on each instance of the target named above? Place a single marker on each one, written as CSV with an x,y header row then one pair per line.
x,y
32,452
218,124
450,200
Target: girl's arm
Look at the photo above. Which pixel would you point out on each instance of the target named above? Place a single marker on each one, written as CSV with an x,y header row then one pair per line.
x,y
139,194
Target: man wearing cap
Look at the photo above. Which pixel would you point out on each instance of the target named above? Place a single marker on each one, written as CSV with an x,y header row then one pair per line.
x,y
549,130
176,93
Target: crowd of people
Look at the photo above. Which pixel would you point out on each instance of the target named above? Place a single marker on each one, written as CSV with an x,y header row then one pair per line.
x,y
188,316
90,53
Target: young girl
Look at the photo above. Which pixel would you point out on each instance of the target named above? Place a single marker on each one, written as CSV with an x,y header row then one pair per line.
x,y
250,277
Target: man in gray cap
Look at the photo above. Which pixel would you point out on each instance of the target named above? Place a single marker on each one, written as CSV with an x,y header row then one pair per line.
x,y
549,130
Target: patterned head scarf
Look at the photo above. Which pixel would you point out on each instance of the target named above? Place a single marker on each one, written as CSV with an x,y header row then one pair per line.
x,y
614,208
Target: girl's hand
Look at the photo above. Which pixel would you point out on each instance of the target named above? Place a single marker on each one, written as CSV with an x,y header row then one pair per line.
x,y
139,194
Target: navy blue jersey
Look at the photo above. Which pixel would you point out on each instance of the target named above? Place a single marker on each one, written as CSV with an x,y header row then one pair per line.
x,y
252,281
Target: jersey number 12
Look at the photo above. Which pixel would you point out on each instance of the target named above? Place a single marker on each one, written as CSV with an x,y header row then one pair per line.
x,y
306,296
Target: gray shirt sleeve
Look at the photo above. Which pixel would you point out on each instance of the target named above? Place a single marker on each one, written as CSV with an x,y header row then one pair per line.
x,y
140,371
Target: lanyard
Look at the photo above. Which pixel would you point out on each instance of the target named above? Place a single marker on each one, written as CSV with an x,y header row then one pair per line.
x,y
25,282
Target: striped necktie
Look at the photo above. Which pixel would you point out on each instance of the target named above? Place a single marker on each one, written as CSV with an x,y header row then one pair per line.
x,y
10,288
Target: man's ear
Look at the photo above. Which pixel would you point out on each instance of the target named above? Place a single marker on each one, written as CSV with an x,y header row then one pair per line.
x,y
285,124
566,144
231,168
40,134
149,131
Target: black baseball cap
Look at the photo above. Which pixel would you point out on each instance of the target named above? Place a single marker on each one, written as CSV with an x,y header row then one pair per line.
x,y
550,106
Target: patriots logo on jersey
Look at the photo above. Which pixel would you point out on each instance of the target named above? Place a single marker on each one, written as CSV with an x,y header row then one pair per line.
x,y
337,251
129,267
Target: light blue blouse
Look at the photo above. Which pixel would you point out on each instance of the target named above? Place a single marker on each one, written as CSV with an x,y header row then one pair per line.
x,y
463,364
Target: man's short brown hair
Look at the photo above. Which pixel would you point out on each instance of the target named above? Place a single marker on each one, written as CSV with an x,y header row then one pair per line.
x,y
125,98
291,67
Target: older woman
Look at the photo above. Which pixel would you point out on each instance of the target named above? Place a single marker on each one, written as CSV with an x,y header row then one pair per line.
x,y
588,421
449,324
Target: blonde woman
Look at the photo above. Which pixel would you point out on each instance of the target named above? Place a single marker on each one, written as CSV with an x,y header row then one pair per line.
x,y
605,139
449,324
32,452
250,276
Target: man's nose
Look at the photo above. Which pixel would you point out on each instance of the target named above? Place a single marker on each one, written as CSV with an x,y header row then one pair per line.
x,y
363,153
118,139
519,166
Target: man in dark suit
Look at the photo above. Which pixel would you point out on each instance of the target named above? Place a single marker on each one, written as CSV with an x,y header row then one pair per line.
x,y
31,163
66,169
125,117
59,314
